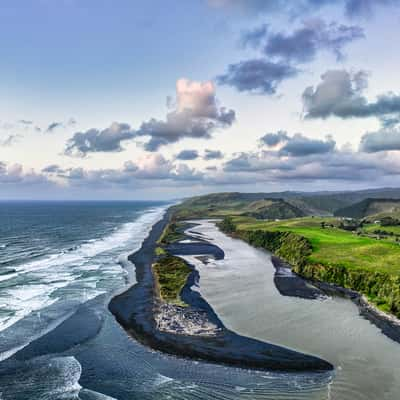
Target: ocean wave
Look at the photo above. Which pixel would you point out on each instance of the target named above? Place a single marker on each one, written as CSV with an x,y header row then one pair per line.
x,y
51,377
36,324
72,277
86,394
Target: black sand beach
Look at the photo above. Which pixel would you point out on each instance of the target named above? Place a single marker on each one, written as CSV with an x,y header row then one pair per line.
x,y
290,284
135,310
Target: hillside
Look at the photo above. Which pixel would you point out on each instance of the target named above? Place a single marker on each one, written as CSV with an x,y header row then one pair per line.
x,y
254,205
305,203
273,209
319,250
364,258
377,208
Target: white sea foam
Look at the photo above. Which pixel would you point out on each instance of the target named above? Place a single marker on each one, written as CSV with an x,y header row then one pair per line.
x,y
77,276
86,394
161,380
52,378
6,277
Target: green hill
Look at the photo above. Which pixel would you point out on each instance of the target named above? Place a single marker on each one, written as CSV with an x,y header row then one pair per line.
x,y
304,203
319,250
254,205
273,209
376,208
365,259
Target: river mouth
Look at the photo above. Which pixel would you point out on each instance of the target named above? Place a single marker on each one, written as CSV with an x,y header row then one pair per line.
x,y
103,362
367,362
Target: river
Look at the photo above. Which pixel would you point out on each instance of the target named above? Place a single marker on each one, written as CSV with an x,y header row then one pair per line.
x,y
86,355
241,290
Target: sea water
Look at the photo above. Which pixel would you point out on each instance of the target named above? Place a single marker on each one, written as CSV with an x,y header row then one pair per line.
x,y
60,264
55,256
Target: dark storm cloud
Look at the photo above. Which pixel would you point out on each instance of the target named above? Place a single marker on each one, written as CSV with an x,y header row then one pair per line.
x,y
306,159
332,165
93,140
187,155
53,169
303,44
212,155
299,146
15,174
366,7
53,126
256,163
257,76
299,8
254,37
197,115
184,124
283,52
273,139
382,140
340,94
153,168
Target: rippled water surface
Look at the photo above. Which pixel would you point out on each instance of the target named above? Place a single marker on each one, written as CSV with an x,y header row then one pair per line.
x,y
61,262
367,362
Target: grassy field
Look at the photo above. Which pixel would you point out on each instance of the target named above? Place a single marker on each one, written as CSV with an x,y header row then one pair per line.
x,y
370,228
171,234
333,246
318,248
171,274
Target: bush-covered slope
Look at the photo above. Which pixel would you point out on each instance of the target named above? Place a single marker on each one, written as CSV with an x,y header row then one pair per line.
x,y
255,205
370,207
329,254
273,209
171,274
319,203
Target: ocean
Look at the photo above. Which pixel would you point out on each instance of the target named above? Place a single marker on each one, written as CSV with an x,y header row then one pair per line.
x,y
55,256
60,264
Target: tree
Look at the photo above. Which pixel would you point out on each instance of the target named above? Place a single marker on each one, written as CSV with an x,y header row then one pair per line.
x,y
227,225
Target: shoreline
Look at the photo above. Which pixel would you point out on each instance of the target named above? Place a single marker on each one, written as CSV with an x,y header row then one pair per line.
x,y
388,324
135,310
297,286
290,284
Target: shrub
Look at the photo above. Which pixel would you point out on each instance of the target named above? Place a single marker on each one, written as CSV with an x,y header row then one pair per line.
x,y
227,225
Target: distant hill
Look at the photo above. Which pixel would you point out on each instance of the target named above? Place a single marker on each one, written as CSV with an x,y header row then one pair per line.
x,y
273,209
378,208
256,205
286,203
319,204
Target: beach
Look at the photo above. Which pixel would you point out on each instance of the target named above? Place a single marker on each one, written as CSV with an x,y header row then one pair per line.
x,y
88,355
328,326
135,310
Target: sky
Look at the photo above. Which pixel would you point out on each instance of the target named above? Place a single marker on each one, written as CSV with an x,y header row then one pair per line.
x,y
162,99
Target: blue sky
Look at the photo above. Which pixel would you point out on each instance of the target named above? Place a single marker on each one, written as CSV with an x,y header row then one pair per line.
x,y
135,100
